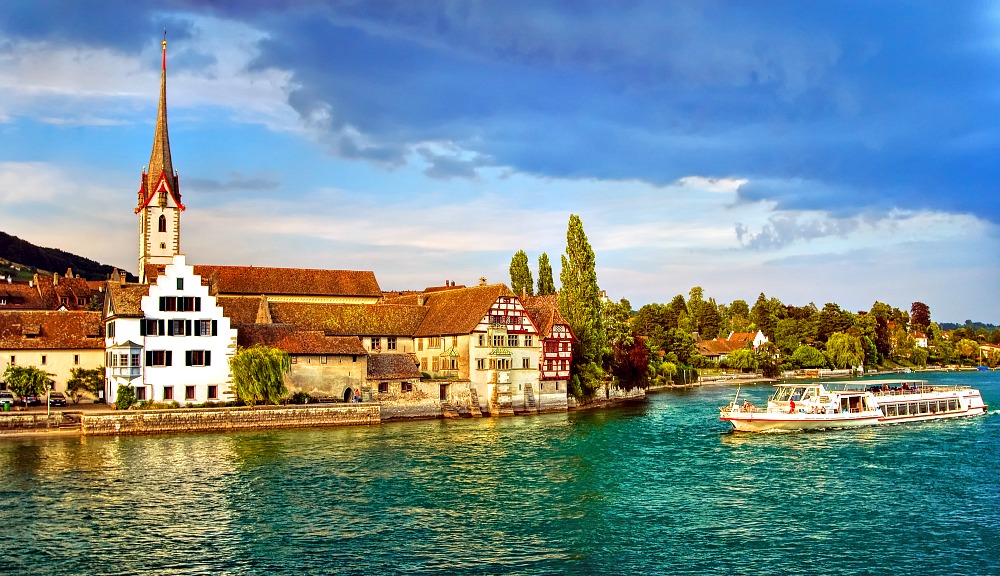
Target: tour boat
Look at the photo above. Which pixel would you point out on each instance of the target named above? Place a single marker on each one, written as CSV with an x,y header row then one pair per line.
x,y
819,405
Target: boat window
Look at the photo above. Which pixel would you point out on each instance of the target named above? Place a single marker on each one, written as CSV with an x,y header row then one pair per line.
x,y
890,410
953,404
923,407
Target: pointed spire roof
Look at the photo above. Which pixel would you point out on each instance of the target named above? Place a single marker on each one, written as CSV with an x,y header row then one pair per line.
x,y
160,174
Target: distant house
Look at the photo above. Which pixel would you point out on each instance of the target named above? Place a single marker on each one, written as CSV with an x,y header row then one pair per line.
x,y
920,339
54,292
52,341
720,348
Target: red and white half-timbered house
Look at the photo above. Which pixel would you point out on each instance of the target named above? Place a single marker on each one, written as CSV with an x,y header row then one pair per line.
x,y
556,348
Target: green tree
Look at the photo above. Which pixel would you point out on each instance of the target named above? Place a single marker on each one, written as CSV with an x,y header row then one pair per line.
x,y
845,351
580,304
808,357
767,360
832,320
521,281
967,349
85,381
744,359
546,284
125,398
766,313
26,380
259,374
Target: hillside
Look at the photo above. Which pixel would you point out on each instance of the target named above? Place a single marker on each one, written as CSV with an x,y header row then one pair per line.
x,y
21,259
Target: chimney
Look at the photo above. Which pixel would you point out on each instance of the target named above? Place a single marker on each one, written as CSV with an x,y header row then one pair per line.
x,y
482,280
69,272
55,279
420,299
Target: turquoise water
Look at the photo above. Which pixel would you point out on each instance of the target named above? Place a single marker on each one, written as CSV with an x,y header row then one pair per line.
x,y
661,488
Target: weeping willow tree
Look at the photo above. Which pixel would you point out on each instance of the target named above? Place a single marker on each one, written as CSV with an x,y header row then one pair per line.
x,y
259,374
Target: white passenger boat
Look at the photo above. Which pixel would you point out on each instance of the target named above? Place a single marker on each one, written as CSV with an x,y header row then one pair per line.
x,y
821,405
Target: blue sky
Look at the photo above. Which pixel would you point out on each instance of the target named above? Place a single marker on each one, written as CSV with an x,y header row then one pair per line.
x,y
814,151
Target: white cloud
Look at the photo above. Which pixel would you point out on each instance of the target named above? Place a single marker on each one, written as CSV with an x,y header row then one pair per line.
x,y
79,85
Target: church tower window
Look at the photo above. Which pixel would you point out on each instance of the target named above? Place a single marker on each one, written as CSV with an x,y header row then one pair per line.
x,y
163,222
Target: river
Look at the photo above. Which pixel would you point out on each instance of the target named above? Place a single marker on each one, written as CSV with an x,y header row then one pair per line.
x,y
658,488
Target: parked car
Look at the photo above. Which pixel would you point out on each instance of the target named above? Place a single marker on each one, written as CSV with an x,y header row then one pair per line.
x,y
6,399
31,400
57,399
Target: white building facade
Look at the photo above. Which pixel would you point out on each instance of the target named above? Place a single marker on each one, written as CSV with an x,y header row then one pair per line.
x,y
178,349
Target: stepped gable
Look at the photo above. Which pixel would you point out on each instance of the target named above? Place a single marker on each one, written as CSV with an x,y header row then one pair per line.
x,y
392,367
544,312
125,300
460,310
351,319
254,281
50,330
295,341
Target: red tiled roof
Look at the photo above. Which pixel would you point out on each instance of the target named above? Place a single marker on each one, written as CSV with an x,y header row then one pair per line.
x,y
50,330
350,319
392,367
544,312
252,280
742,338
460,310
711,348
242,310
21,296
295,341
125,300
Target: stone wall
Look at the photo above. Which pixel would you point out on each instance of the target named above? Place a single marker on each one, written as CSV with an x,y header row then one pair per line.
x,y
225,419
27,422
422,402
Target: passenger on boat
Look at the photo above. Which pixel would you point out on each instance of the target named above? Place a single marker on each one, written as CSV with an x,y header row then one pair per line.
x,y
791,406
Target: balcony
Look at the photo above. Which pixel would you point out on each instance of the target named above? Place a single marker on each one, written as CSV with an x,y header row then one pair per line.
x,y
130,372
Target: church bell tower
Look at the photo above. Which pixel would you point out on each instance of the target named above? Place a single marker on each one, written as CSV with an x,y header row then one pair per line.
x,y
160,206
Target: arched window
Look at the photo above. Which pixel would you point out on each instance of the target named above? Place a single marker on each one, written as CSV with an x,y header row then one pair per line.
x,y
163,223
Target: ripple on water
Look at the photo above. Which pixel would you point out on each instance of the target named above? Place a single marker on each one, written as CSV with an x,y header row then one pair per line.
x,y
654,489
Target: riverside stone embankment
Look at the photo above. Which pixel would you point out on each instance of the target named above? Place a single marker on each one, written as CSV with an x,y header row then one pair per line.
x,y
134,422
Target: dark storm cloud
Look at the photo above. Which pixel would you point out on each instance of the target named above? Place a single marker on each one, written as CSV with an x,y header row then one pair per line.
x,y
844,107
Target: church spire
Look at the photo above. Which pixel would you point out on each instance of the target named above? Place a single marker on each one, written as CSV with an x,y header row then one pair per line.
x,y
160,205
159,161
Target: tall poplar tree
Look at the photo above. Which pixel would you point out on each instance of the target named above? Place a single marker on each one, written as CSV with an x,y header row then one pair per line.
x,y
520,275
546,284
580,304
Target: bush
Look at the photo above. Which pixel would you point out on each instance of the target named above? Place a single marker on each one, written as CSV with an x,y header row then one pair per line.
x,y
299,397
125,398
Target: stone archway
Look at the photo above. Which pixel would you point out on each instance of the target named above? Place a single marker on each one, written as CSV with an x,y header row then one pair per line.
x,y
349,395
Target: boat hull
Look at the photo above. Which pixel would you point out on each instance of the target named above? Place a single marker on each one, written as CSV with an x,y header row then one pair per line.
x,y
775,422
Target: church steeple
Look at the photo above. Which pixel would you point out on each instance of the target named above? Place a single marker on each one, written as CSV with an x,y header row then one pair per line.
x,y
159,192
159,160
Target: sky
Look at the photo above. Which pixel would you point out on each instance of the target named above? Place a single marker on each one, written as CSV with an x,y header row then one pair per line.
x,y
843,152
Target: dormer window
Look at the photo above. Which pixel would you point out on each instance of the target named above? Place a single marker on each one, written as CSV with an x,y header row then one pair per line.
x,y
163,199
163,223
